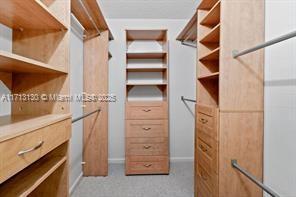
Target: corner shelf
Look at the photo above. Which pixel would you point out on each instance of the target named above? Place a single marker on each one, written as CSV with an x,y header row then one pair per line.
x,y
10,62
213,36
212,55
209,76
145,55
213,16
29,179
29,14
207,4
14,125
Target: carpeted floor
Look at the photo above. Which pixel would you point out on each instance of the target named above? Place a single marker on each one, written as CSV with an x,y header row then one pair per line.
x,y
178,184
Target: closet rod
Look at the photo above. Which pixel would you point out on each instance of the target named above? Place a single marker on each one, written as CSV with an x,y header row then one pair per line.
x,y
189,44
185,99
86,115
90,17
236,53
235,165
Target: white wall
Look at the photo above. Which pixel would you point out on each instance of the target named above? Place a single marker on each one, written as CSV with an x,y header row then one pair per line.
x,y
5,45
182,82
76,87
280,99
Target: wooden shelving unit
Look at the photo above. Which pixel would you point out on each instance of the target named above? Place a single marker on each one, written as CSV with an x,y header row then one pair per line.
x,y
190,30
212,17
212,55
147,102
209,76
213,36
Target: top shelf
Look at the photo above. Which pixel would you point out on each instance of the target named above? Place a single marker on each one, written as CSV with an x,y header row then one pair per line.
x,y
158,35
15,125
213,16
190,30
207,4
94,11
28,14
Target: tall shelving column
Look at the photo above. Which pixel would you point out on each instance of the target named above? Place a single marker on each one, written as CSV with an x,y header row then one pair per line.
x,y
147,132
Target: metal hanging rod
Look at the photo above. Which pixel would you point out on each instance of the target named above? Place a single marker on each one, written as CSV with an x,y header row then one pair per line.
x,y
189,44
236,53
85,115
90,17
185,99
253,179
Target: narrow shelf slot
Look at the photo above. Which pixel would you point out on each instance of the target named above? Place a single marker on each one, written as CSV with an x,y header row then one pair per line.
x,y
31,14
212,18
14,125
10,62
139,69
146,84
213,55
207,4
25,182
158,35
213,36
145,55
209,76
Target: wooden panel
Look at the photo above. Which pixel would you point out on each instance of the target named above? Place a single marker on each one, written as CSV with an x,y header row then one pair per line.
x,y
207,157
206,120
18,14
146,128
145,55
146,146
207,4
146,110
213,36
158,35
15,63
242,139
95,137
143,69
6,79
207,110
212,55
242,78
147,165
212,18
209,180
190,30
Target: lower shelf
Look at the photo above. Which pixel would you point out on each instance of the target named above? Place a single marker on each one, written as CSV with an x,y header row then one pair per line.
x,y
30,178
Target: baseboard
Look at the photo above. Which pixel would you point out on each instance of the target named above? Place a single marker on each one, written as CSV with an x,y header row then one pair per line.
x,y
172,160
76,182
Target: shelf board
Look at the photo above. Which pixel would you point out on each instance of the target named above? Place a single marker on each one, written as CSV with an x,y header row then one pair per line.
x,y
213,36
147,84
14,125
160,69
190,30
213,16
213,55
206,4
29,179
209,76
29,14
145,55
158,35
15,63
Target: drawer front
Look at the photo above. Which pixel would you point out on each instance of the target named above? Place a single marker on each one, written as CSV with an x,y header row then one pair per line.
x,y
19,152
205,120
147,165
146,128
207,138
209,181
210,111
55,135
207,157
147,146
146,111
201,189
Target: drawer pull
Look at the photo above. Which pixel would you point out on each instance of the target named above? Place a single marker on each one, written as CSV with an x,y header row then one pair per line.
x,y
21,153
203,176
147,110
146,128
204,121
203,148
147,147
147,165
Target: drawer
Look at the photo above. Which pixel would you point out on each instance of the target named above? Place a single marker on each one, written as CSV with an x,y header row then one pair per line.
x,y
55,135
207,157
13,157
147,165
207,110
206,137
146,128
208,180
201,189
146,110
205,120
147,146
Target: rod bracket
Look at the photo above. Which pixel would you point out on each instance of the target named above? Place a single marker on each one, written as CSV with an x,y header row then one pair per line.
x,y
234,53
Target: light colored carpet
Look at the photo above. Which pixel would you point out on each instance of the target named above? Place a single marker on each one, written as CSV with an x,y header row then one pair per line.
x,y
178,184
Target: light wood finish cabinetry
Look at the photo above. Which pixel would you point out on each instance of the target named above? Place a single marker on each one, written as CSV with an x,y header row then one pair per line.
x,y
147,132
229,110
34,138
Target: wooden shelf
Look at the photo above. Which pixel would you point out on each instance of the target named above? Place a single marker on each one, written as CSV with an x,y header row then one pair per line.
x,y
145,55
213,36
213,55
213,16
209,76
15,63
158,35
15,125
190,30
207,4
147,84
29,14
29,179
160,69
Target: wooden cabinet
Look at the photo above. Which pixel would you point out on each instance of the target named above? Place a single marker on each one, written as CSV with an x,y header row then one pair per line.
x,y
229,110
146,126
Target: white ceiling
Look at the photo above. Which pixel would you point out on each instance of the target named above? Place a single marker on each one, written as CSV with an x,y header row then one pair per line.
x,y
148,9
